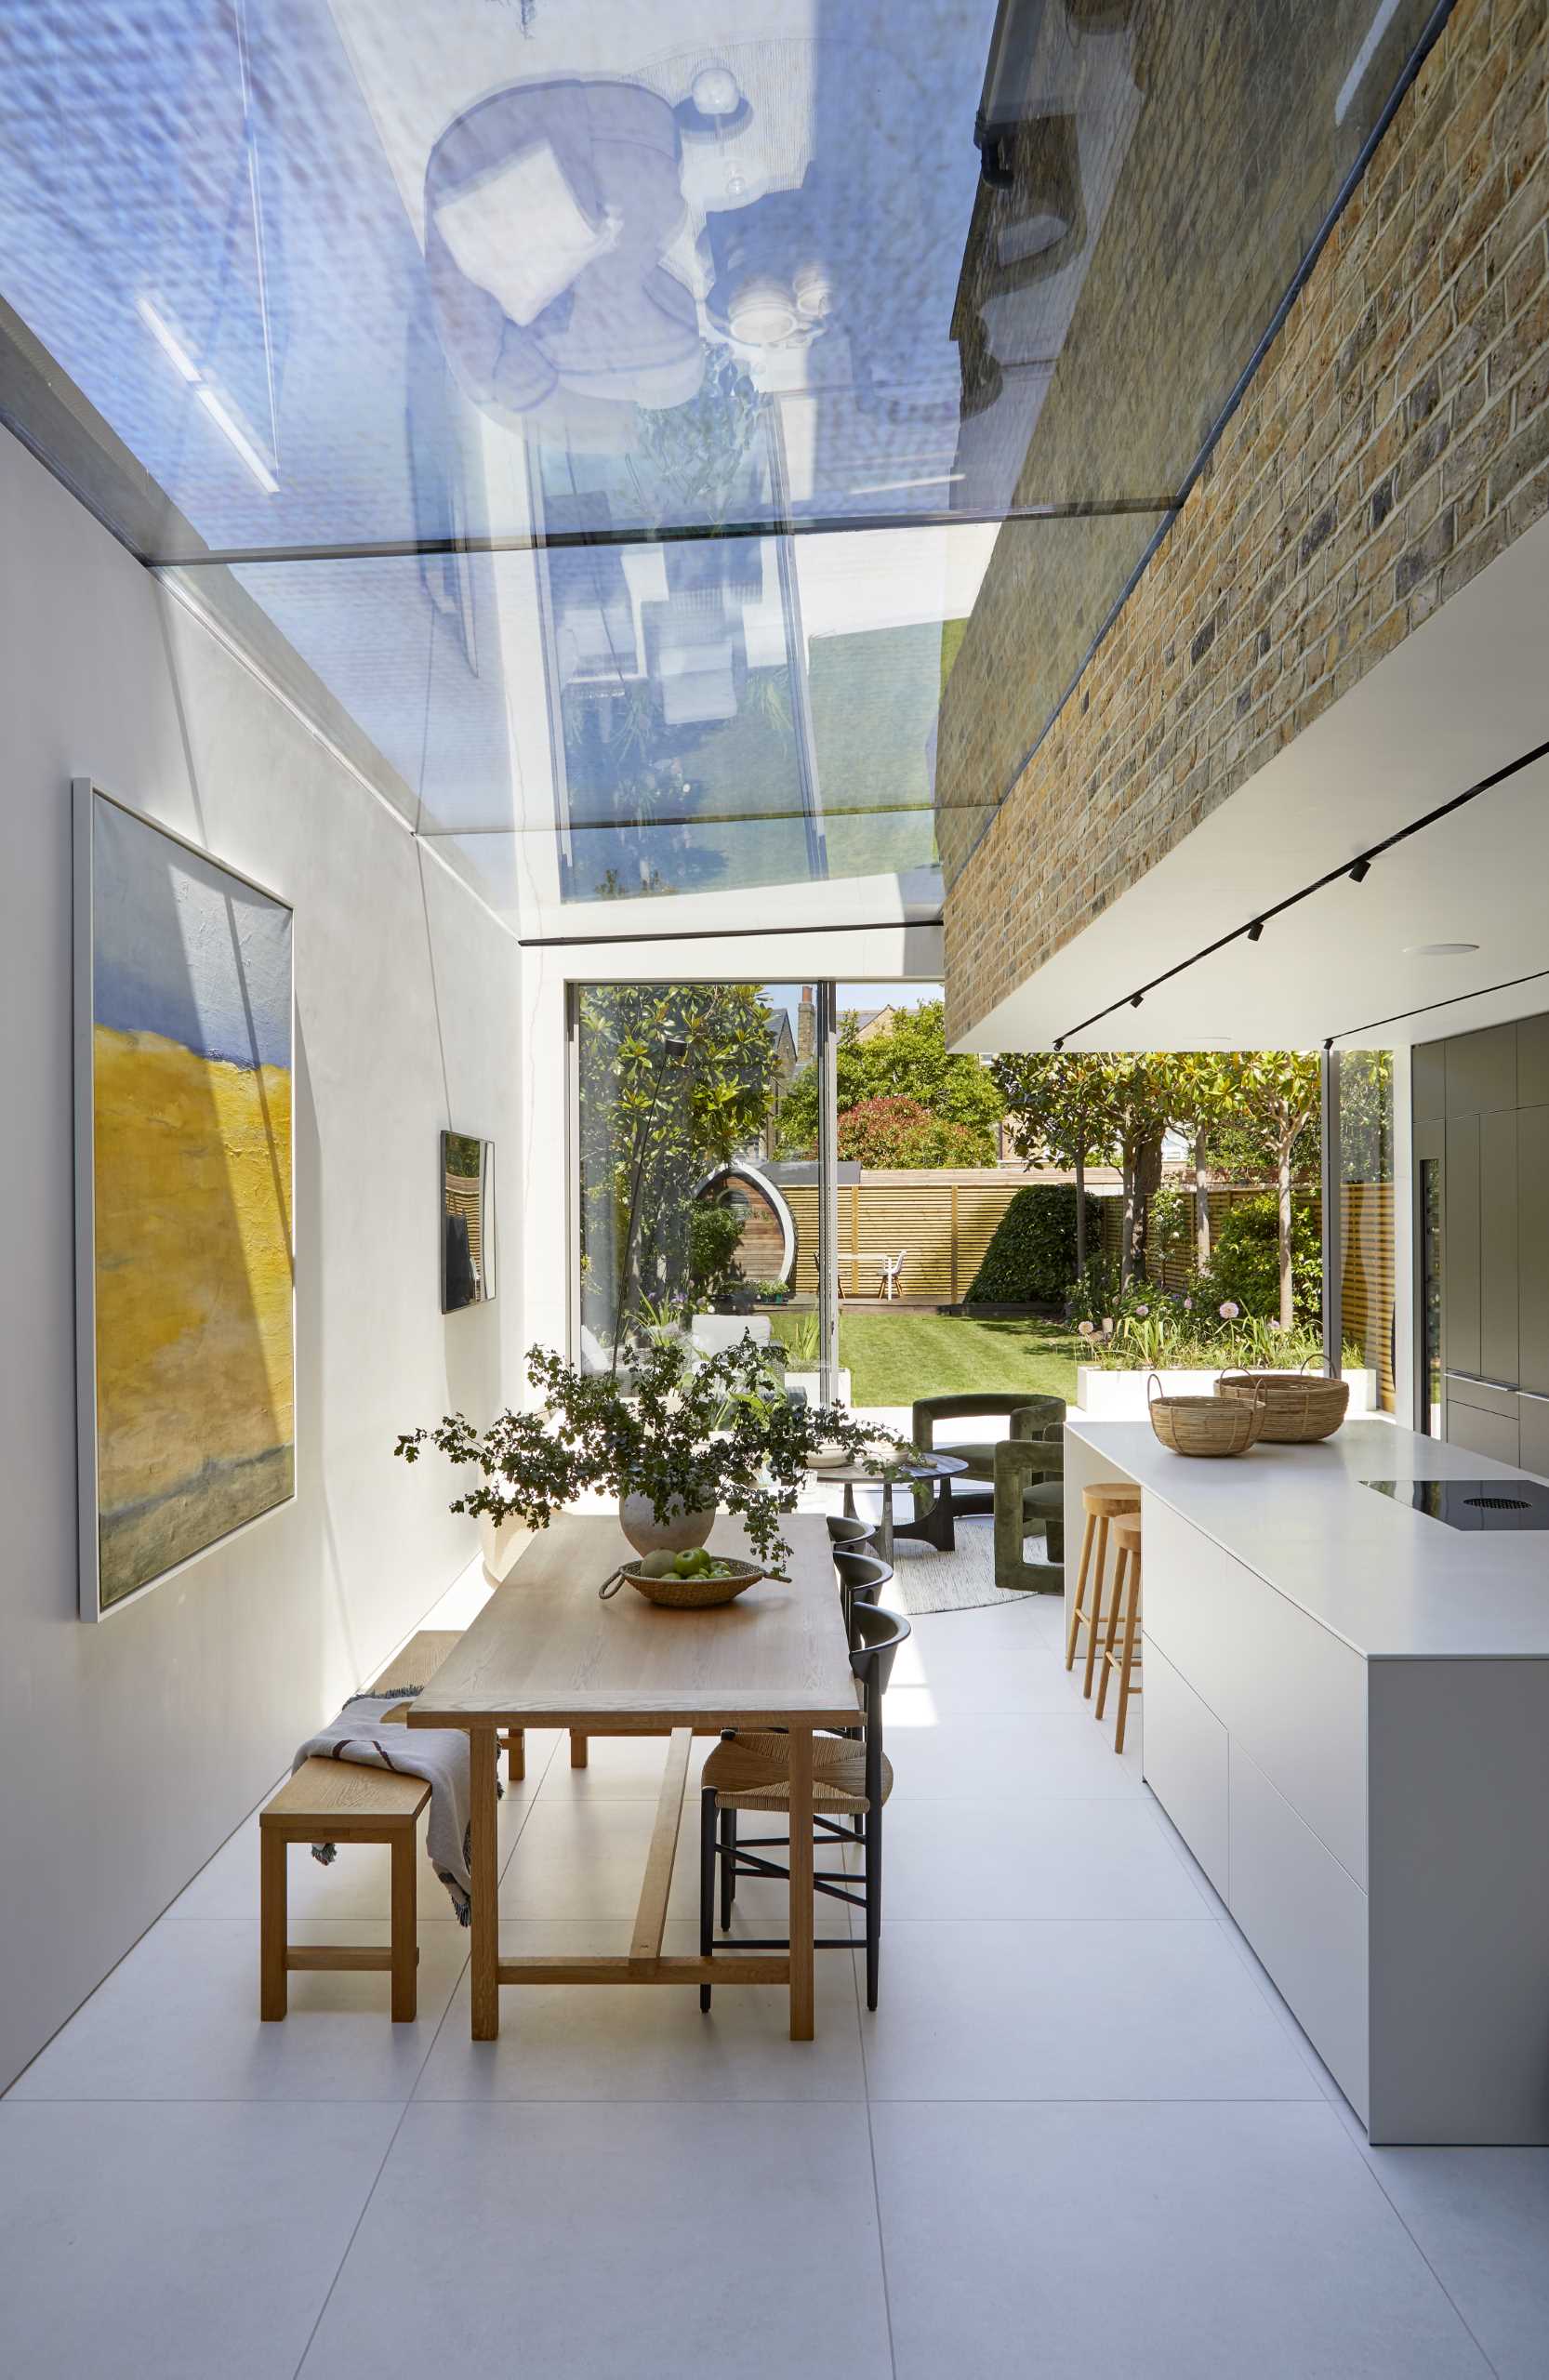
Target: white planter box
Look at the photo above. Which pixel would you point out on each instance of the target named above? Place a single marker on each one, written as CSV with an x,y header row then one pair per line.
x,y
811,1382
1121,1396
716,1331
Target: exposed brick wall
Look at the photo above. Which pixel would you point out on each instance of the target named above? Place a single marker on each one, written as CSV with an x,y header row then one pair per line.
x,y
1394,442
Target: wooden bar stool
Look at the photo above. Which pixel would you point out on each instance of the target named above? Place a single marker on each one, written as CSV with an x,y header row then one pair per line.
x,y
1123,1612
1103,1503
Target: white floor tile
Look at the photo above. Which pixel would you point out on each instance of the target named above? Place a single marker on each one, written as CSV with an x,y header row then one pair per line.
x,y
601,2041
1023,1676
613,2242
1150,2243
175,2243
619,1768
1066,1857
355,1887
585,1858
1480,2216
1024,1756
1119,2011
178,2020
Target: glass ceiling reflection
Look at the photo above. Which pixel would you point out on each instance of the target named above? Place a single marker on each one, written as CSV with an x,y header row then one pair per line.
x,y
538,357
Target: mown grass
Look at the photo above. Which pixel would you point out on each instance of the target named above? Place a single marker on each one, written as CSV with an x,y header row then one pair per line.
x,y
895,1357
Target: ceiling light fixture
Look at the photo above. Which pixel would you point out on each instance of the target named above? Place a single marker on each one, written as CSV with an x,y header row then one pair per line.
x,y
1135,999
1255,929
1359,873
224,420
1438,949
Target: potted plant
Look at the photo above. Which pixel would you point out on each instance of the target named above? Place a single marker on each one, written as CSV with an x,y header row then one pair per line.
x,y
677,1439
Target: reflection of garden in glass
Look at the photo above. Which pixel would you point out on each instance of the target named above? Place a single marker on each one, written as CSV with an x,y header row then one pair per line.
x,y
653,1127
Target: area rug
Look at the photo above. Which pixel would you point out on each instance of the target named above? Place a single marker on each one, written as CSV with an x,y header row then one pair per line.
x,y
963,1581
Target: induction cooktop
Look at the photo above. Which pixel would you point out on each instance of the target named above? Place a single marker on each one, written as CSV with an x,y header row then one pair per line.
x,y
1472,1504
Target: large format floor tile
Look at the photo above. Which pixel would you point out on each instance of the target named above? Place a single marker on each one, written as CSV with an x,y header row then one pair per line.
x,y
1110,2011
175,2243
1019,1755
619,1768
581,1858
1480,2216
625,2041
614,2243
178,2020
1070,1857
1122,2243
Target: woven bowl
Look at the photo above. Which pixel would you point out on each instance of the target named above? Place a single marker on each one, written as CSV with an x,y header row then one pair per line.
x,y
1205,1425
1299,1407
691,1595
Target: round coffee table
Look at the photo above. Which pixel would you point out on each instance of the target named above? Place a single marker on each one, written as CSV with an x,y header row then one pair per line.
x,y
933,1527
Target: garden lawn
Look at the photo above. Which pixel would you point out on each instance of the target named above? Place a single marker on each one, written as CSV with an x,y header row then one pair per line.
x,y
895,1357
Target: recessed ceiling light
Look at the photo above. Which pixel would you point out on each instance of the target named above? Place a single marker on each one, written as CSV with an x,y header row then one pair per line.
x,y
1438,949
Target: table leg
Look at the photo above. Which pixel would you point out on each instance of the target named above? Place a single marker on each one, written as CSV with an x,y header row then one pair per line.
x,y
801,1953
485,1869
884,1526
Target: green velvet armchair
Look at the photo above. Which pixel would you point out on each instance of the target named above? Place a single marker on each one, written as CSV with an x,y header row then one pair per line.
x,y
1025,1477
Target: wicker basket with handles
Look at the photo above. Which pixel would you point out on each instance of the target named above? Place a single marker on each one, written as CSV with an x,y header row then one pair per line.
x,y
1299,1407
1204,1425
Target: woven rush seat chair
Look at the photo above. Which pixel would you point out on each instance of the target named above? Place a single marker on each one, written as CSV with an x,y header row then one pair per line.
x,y
851,1782
854,1533
862,1578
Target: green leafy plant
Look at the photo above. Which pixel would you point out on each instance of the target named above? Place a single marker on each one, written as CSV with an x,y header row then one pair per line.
x,y
714,1237
1032,1256
1246,1265
690,1433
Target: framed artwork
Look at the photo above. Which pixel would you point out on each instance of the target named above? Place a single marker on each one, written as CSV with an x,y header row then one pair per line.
x,y
466,1221
184,1207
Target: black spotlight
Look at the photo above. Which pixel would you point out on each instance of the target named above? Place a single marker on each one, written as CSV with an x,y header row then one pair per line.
x,y
1361,870
1255,929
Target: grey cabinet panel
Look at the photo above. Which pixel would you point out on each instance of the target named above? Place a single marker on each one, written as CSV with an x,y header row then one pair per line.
x,y
1532,1062
1492,1434
1481,1071
1498,1292
1532,1414
1461,1243
1428,1081
1532,1247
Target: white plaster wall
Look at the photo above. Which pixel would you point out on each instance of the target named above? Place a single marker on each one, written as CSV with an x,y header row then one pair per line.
x,y
130,1750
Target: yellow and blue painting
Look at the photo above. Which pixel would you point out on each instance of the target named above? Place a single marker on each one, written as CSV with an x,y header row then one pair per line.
x,y
192,1254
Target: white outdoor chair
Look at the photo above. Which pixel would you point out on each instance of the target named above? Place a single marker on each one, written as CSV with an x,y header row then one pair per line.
x,y
890,1280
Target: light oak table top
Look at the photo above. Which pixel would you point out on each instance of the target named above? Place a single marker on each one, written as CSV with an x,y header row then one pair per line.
x,y
545,1652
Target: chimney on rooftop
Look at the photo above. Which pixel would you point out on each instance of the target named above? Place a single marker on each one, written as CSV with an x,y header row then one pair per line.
x,y
806,1025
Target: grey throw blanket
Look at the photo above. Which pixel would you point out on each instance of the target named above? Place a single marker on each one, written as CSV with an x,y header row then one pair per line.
x,y
439,1755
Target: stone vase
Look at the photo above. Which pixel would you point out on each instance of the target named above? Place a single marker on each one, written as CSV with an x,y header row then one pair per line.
x,y
679,1534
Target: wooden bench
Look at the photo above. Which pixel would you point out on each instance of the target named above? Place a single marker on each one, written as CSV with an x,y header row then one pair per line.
x,y
339,1800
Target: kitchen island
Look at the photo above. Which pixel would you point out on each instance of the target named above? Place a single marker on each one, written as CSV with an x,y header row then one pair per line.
x,y
1346,1716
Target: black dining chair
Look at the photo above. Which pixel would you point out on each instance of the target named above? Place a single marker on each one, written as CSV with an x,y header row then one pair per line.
x,y
845,1531
862,1578
851,1780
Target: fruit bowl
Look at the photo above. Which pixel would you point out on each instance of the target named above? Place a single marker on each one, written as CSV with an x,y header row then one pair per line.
x,y
828,1457
684,1582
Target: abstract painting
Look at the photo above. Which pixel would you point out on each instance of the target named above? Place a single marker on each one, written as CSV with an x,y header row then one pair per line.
x,y
185,1245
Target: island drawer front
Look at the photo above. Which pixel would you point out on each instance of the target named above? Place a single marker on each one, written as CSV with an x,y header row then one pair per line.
x,y
1184,1760
1289,1693
1307,1920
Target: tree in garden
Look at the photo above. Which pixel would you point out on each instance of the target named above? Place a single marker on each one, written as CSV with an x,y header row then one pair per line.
x,y
892,1131
1206,1095
911,1061
1138,1088
1280,1091
676,1118
1059,1112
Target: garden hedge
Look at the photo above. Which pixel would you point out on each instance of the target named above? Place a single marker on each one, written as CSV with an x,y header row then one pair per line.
x,y
1031,1260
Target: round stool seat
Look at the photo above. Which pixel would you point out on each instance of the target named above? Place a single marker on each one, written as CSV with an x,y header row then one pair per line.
x,y
1124,1532
1108,1497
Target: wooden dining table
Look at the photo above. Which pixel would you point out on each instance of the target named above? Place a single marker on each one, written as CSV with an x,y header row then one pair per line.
x,y
545,1652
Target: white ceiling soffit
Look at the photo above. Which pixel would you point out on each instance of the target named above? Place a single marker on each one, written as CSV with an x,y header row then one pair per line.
x,y
866,954
1466,694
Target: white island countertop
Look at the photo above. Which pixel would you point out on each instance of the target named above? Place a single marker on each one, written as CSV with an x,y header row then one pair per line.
x,y
1390,1582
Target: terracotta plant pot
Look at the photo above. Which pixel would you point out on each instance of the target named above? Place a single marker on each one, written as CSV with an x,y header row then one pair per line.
x,y
648,1535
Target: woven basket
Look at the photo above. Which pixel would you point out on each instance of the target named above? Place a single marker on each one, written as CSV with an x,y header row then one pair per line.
x,y
685,1594
1204,1425
1299,1407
